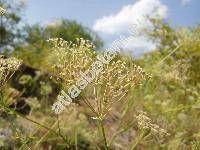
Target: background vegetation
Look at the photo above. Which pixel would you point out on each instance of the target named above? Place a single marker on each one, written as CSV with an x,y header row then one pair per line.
x,y
157,112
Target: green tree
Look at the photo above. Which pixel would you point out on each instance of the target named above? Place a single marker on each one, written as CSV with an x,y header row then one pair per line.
x,y
65,29
36,48
10,33
185,42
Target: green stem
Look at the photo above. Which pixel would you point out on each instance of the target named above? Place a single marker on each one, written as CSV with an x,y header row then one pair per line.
x,y
118,132
76,140
22,116
138,140
103,133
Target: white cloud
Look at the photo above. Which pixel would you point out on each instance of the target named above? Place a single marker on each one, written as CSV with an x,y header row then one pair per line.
x,y
185,2
129,15
140,43
137,43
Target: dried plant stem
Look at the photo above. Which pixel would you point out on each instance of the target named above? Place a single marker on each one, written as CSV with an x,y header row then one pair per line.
x,y
24,143
91,107
44,136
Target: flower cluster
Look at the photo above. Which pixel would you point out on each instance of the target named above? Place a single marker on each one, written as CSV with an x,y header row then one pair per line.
x,y
114,82
71,58
2,11
144,122
177,71
7,68
111,78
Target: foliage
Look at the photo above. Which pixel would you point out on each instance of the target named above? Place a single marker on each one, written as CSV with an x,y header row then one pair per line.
x,y
35,49
10,32
123,108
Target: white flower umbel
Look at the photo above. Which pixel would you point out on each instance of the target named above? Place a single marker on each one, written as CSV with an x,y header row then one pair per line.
x,y
7,68
64,99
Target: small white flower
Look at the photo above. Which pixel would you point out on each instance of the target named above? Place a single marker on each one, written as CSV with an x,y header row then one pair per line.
x,y
2,11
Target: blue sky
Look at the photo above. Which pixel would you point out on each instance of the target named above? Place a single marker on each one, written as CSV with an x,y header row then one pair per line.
x,y
109,16
87,11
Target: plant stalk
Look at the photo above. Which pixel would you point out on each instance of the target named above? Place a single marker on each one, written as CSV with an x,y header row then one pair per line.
x,y
103,133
